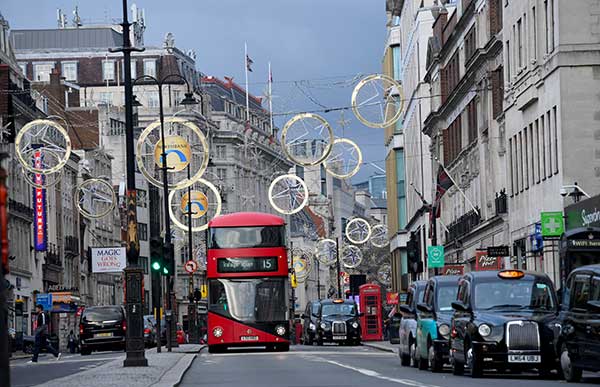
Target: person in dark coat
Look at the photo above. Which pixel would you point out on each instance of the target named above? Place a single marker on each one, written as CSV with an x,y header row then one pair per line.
x,y
41,336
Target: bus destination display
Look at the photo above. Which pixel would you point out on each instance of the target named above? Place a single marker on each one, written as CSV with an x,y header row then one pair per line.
x,y
245,265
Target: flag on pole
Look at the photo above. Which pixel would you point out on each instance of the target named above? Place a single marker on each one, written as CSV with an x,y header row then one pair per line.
x,y
249,63
444,183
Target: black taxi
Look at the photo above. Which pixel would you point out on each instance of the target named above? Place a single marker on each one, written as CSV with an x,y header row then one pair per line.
x,y
338,322
504,320
579,343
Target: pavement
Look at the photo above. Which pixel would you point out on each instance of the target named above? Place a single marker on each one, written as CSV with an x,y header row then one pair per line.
x,y
106,369
382,346
333,366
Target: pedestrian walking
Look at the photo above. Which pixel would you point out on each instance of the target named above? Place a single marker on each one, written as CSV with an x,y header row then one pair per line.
x,y
41,336
72,342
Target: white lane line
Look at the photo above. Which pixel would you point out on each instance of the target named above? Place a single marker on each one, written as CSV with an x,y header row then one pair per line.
x,y
375,374
294,353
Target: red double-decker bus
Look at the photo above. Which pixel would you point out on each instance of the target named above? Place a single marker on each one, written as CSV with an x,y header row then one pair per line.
x,y
247,274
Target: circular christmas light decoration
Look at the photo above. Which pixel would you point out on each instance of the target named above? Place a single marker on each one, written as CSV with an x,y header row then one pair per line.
x,y
185,146
307,139
326,251
384,274
95,198
379,236
302,264
39,180
345,159
358,231
288,194
208,207
377,101
46,140
351,256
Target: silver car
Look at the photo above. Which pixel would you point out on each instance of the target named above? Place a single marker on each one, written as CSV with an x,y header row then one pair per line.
x,y
408,325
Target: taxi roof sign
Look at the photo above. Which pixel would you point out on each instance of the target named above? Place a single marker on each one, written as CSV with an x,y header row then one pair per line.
x,y
511,274
338,301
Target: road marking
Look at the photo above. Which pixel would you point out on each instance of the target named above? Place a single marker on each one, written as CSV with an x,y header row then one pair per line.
x,y
294,353
375,374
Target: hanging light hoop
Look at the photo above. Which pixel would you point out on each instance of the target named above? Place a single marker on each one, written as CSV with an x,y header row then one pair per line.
x,y
185,227
304,189
185,182
357,251
374,78
59,175
358,164
367,227
318,256
302,255
327,149
374,232
87,214
26,164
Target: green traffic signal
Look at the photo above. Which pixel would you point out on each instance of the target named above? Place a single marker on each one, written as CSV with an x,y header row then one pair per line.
x,y
156,254
156,266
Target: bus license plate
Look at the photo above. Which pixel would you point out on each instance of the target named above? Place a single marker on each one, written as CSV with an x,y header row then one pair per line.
x,y
524,359
339,337
249,338
104,334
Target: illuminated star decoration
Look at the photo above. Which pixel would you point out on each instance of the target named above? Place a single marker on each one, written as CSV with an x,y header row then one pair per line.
x,y
291,194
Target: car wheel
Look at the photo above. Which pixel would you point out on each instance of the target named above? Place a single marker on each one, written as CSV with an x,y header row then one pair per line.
x,y
474,363
413,353
435,363
571,373
404,358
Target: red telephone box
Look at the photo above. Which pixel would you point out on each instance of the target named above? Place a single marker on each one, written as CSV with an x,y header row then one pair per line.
x,y
370,306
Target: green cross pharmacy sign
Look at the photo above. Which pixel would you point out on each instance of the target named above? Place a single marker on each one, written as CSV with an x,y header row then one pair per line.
x,y
552,224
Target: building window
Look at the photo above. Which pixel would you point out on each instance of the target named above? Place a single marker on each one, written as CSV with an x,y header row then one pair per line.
x,y
106,97
544,149
221,151
300,171
526,157
23,67
511,166
142,198
555,142
150,67
41,71
470,44
472,118
69,71
133,69
401,189
534,33
143,231
498,91
452,141
222,175
143,262
153,99
108,70
397,62
323,181
549,8
495,14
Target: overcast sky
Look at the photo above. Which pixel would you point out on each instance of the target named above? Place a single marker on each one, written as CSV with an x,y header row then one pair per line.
x,y
320,44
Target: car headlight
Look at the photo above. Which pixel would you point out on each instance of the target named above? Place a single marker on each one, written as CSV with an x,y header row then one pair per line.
x,y
355,325
444,330
484,330
218,332
324,326
280,330
312,326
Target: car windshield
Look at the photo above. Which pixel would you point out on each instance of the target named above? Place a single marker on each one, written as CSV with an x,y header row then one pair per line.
x,y
246,237
340,309
513,294
102,314
250,300
446,294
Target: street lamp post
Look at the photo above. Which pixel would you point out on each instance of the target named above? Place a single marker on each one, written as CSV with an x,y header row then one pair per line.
x,y
192,308
337,254
134,341
168,245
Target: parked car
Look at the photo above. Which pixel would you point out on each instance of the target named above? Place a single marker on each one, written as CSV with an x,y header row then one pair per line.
x,y
579,341
310,322
338,322
408,325
394,330
102,327
149,331
504,320
433,324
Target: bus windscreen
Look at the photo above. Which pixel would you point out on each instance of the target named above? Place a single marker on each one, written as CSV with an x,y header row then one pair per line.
x,y
246,237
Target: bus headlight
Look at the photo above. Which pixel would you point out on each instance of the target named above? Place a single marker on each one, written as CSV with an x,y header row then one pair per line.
x,y
355,325
218,332
484,330
280,330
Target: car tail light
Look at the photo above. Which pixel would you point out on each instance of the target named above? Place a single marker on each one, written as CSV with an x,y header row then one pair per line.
x,y
124,325
81,329
147,331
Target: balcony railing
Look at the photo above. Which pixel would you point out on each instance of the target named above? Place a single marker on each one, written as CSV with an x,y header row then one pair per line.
x,y
463,225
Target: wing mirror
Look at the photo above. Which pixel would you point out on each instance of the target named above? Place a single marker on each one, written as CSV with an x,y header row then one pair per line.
x,y
460,306
422,307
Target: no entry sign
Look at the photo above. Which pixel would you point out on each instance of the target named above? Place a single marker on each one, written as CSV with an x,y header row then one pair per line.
x,y
191,266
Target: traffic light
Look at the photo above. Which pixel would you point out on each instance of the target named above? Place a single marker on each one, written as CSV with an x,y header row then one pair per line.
x,y
156,254
197,295
168,267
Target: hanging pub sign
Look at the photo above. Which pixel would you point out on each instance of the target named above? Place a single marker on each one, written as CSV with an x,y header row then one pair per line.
x,y
40,236
484,262
453,270
497,251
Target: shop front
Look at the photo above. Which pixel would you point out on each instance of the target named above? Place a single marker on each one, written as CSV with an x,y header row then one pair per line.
x,y
580,244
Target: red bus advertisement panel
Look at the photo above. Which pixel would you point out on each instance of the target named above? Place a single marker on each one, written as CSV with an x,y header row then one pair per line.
x,y
248,287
